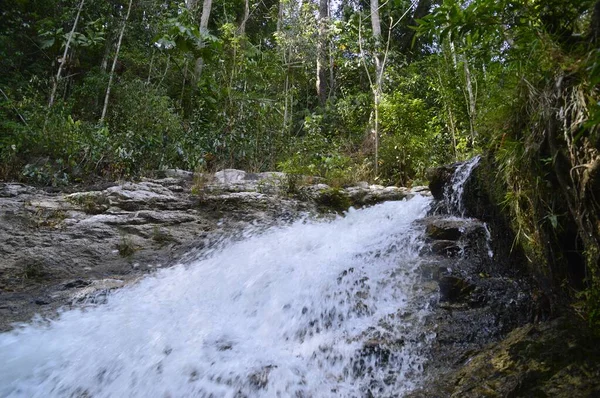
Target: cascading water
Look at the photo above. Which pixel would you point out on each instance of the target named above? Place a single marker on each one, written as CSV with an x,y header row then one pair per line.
x,y
314,309
453,192
454,195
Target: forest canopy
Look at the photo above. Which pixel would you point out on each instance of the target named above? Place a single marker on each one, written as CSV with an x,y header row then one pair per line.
x,y
347,90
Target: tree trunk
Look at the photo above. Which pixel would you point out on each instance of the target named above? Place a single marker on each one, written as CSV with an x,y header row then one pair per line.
x,y
242,29
376,27
471,98
322,52
206,7
280,16
63,60
375,21
595,24
114,65
332,85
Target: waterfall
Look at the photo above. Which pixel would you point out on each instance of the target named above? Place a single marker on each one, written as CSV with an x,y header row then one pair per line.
x,y
312,309
454,196
453,192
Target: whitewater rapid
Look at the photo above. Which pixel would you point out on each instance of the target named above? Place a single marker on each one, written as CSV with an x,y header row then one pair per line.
x,y
283,312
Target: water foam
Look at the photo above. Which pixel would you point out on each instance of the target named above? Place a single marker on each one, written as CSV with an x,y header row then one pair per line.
x,y
288,312
454,192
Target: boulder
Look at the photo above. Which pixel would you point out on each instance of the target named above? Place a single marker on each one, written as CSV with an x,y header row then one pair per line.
x,y
58,245
178,174
229,176
454,289
444,229
439,178
552,359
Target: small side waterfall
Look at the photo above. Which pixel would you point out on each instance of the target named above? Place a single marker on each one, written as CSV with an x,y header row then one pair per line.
x,y
315,309
453,192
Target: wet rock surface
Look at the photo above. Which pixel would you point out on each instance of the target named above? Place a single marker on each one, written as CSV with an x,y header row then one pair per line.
x,y
63,248
439,178
477,303
493,336
558,358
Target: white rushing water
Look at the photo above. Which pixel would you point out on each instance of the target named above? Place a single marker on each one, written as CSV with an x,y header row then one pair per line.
x,y
453,192
290,312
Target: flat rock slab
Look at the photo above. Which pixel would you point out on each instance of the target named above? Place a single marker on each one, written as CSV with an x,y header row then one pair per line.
x,y
451,228
60,247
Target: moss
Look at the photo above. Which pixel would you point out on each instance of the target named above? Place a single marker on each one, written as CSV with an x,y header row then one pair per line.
x,y
162,237
558,359
90,202
333,199
126,247
34,270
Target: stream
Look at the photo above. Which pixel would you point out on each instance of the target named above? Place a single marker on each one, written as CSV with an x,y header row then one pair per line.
x,y
292,311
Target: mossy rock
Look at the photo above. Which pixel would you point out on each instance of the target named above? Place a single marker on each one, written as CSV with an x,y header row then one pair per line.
x,y
90,202
553,359
333,199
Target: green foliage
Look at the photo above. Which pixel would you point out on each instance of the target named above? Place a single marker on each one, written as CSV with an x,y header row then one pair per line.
x,y
145,129
412,138
316,155
538,120
181,33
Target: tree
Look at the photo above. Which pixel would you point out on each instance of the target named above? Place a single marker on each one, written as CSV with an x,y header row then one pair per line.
x,y
206,8
63,59
322,51
114,64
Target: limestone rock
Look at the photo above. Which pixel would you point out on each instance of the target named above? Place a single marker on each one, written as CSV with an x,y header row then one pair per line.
x,y
229,176
56,246
178,174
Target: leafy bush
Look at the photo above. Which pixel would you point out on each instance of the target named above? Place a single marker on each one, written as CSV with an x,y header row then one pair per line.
x,y
412,139
316,155
145,129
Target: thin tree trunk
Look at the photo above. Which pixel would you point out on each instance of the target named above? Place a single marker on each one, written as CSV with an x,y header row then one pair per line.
x,y
185,70
166,71
63,60
242,29
285,103
376,132
280,16
150,69
107,50
376,27
322,52
206,7
453,53
471,98
114,65
331,63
